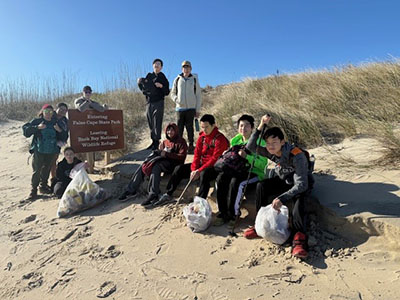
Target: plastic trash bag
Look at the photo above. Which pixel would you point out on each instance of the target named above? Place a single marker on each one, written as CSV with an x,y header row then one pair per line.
x,y
272,225
81,193
198,214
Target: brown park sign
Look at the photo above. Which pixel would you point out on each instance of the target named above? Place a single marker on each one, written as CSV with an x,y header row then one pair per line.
x,y
96,131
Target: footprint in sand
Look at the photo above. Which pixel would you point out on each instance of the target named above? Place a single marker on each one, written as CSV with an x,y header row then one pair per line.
x,y
106,289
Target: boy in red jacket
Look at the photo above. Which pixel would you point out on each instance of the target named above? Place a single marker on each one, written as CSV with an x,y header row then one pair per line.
x,y
210,145
172,152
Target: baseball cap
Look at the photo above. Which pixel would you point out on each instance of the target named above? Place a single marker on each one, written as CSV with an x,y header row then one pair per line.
x,y
87,88
186,63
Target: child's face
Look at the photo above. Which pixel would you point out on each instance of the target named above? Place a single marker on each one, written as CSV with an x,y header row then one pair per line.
x,y
61,111
171,132
244,128
48,114
157,67
274,145
206,127
69,156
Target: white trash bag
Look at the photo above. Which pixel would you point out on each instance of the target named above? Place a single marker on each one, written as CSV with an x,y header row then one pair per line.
x,y
198,214
81,193
272,225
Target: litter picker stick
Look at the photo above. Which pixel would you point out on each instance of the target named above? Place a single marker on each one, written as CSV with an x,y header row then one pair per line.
x,y
183,192
232,232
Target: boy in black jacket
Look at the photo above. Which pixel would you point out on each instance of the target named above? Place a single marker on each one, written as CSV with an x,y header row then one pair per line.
x,y
64,167
155,87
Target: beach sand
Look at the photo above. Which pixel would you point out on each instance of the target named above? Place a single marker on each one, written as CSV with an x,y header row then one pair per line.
x,y
123,251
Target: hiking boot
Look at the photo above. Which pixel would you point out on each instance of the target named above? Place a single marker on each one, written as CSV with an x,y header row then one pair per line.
x,y
299,244
165,199
126,196
45,189
250,233
151,199
33,195
231,224
219,221
190,149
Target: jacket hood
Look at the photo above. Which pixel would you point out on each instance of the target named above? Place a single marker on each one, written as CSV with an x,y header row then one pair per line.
x,y
175,127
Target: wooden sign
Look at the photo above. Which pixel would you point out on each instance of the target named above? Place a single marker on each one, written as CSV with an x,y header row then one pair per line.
x,y
96,131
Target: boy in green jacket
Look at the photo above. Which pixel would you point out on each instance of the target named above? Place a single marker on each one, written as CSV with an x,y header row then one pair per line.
x,y
229,187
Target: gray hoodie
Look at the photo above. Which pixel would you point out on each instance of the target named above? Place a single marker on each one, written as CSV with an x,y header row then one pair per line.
x,y
289,167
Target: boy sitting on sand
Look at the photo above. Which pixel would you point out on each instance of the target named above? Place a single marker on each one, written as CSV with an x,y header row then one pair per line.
x,y
172,152
63,170
289,187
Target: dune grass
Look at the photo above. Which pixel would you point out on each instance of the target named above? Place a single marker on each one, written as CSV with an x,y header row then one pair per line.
x,y
313,108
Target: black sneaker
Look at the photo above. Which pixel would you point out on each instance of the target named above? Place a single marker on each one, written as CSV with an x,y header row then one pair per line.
x,y
190,149
33,195
165,199
45,189
150,200
126,196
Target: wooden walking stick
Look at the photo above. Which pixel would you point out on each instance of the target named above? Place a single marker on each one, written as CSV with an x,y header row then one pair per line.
x,y
183,192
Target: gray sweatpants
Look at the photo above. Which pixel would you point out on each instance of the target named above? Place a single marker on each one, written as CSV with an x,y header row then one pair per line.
x,y
155,113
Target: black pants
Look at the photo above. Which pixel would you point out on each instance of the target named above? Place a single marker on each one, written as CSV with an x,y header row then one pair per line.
x,y
185,119
162,165
227,190
59,188
41,165
155,114
269,189
183,172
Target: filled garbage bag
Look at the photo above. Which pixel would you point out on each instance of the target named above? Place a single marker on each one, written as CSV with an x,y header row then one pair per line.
x,y
80,194
198,214
273,225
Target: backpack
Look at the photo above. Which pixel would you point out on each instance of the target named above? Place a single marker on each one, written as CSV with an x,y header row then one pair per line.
x,y
231,162
149,162
194,88
310,158
203,141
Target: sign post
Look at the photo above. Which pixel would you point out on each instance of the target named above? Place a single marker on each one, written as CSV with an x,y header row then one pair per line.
x,y
92,131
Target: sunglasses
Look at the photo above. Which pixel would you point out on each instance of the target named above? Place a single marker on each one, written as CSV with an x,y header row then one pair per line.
x,y
88,92
47,110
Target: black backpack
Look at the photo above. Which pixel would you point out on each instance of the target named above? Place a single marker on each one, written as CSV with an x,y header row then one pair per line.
x,y
310,158
231,162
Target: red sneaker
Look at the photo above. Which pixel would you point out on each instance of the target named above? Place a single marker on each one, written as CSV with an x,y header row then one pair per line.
x,y
299,244
250,233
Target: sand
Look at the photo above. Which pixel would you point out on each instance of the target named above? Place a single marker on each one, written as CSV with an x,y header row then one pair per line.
x,y
122,251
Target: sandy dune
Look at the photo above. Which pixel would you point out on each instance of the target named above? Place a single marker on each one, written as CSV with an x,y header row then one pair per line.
x,y
122,251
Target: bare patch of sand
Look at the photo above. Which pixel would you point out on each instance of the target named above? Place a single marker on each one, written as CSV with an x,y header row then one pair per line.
x,y
122,251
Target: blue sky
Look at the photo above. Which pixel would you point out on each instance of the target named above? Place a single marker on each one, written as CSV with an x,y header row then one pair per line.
x,y
226,41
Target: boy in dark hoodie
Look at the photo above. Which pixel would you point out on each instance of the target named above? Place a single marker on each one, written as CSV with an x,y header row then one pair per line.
x,y
290,185
171,153
64,168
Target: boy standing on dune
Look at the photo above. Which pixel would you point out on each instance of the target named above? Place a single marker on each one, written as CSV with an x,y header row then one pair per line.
x,y
155,87
186,93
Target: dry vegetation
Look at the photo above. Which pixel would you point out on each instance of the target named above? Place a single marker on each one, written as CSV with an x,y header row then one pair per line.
x,y
313,107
